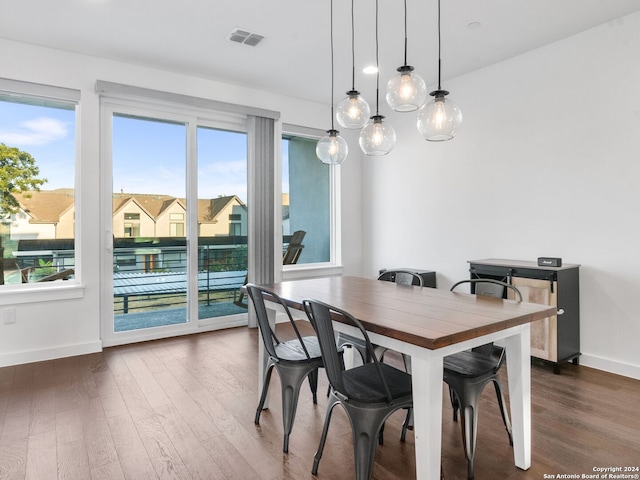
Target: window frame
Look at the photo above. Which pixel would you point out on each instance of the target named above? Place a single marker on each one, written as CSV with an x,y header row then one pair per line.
x,y
334,265
193,117
16,294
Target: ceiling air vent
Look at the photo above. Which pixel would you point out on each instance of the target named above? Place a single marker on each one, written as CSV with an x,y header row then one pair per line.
x,y
242,36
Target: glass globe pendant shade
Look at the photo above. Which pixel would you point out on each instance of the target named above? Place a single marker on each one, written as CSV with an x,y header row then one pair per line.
x,y
406,91
377,138
353,111
440,119
332,149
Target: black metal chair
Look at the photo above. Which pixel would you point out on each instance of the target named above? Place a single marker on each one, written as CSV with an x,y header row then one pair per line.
x,y
294,360
468,372
369,393
401,277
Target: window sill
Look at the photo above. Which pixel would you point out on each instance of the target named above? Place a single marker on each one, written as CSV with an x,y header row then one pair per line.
x,y
292,272
47,293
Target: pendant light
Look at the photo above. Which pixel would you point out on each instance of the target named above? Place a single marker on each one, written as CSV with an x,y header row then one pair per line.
x,y
377,138
440,119
353,111
406,91
332,149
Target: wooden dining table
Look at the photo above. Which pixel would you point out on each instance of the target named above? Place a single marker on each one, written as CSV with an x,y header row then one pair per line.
x,y
429,324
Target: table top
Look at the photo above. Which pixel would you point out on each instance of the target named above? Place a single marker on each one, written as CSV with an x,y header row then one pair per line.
x,y
427,317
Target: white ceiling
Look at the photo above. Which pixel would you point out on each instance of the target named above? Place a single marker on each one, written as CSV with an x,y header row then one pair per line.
x,y
191,36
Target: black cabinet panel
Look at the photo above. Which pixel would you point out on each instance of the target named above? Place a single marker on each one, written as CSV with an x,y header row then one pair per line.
x,y
555,339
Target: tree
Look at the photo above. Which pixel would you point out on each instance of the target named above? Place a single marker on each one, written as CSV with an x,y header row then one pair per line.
x,y
18,175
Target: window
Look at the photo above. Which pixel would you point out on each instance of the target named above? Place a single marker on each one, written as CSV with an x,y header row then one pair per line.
x,y
177,229
307,202
177,224
37,182
131,224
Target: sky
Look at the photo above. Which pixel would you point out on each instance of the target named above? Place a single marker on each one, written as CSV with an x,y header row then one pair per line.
x,y
148,156
48,134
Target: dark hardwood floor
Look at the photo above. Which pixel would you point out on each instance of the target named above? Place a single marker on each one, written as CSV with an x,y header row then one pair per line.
x,y
184,407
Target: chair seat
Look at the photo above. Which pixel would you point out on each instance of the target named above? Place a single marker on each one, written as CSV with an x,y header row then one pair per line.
x,y
363,383
469,364
292,351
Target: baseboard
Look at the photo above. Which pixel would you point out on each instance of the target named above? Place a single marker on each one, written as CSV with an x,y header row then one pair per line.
x,y
19,358
611,366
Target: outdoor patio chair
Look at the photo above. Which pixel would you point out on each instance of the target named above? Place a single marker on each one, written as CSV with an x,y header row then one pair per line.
x,y
290,257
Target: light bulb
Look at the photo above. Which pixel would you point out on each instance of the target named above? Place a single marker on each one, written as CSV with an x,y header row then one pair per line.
x,y
332,149
406,91
440,119
439,115
353,111
377,138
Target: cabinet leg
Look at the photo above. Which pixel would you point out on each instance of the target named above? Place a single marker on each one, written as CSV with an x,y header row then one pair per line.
x,y
556,368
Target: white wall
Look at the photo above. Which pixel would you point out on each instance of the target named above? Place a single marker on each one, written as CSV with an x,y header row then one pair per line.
x,y
547,164
46,329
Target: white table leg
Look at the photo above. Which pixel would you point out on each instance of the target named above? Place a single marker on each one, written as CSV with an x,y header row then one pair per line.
x,y
263,357
519,373
427,412
349,356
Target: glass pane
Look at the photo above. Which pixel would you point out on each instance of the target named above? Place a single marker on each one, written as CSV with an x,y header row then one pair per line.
x,y
37,201
306,200
149,255
222,222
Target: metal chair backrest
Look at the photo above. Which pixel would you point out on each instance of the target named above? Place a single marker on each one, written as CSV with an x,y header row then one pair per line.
x,y
488,291
489,287
320,315
401,277
268,334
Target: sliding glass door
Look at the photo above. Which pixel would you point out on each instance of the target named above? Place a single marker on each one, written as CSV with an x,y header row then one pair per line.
x,y
177,212
149,215
222,221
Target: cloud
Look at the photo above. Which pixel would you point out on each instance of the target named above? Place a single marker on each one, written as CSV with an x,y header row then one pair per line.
x,y
227,167
39,131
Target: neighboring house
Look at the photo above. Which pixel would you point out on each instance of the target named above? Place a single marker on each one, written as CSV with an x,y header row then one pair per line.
x,y
48,216
51,215
286,219
44,214
222,216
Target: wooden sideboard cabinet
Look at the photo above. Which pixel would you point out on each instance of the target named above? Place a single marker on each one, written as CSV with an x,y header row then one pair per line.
x,y
554,339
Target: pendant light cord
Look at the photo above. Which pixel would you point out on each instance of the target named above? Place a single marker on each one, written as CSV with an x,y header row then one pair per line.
x,y
405,32
353,49
377,65
439,60
332,111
